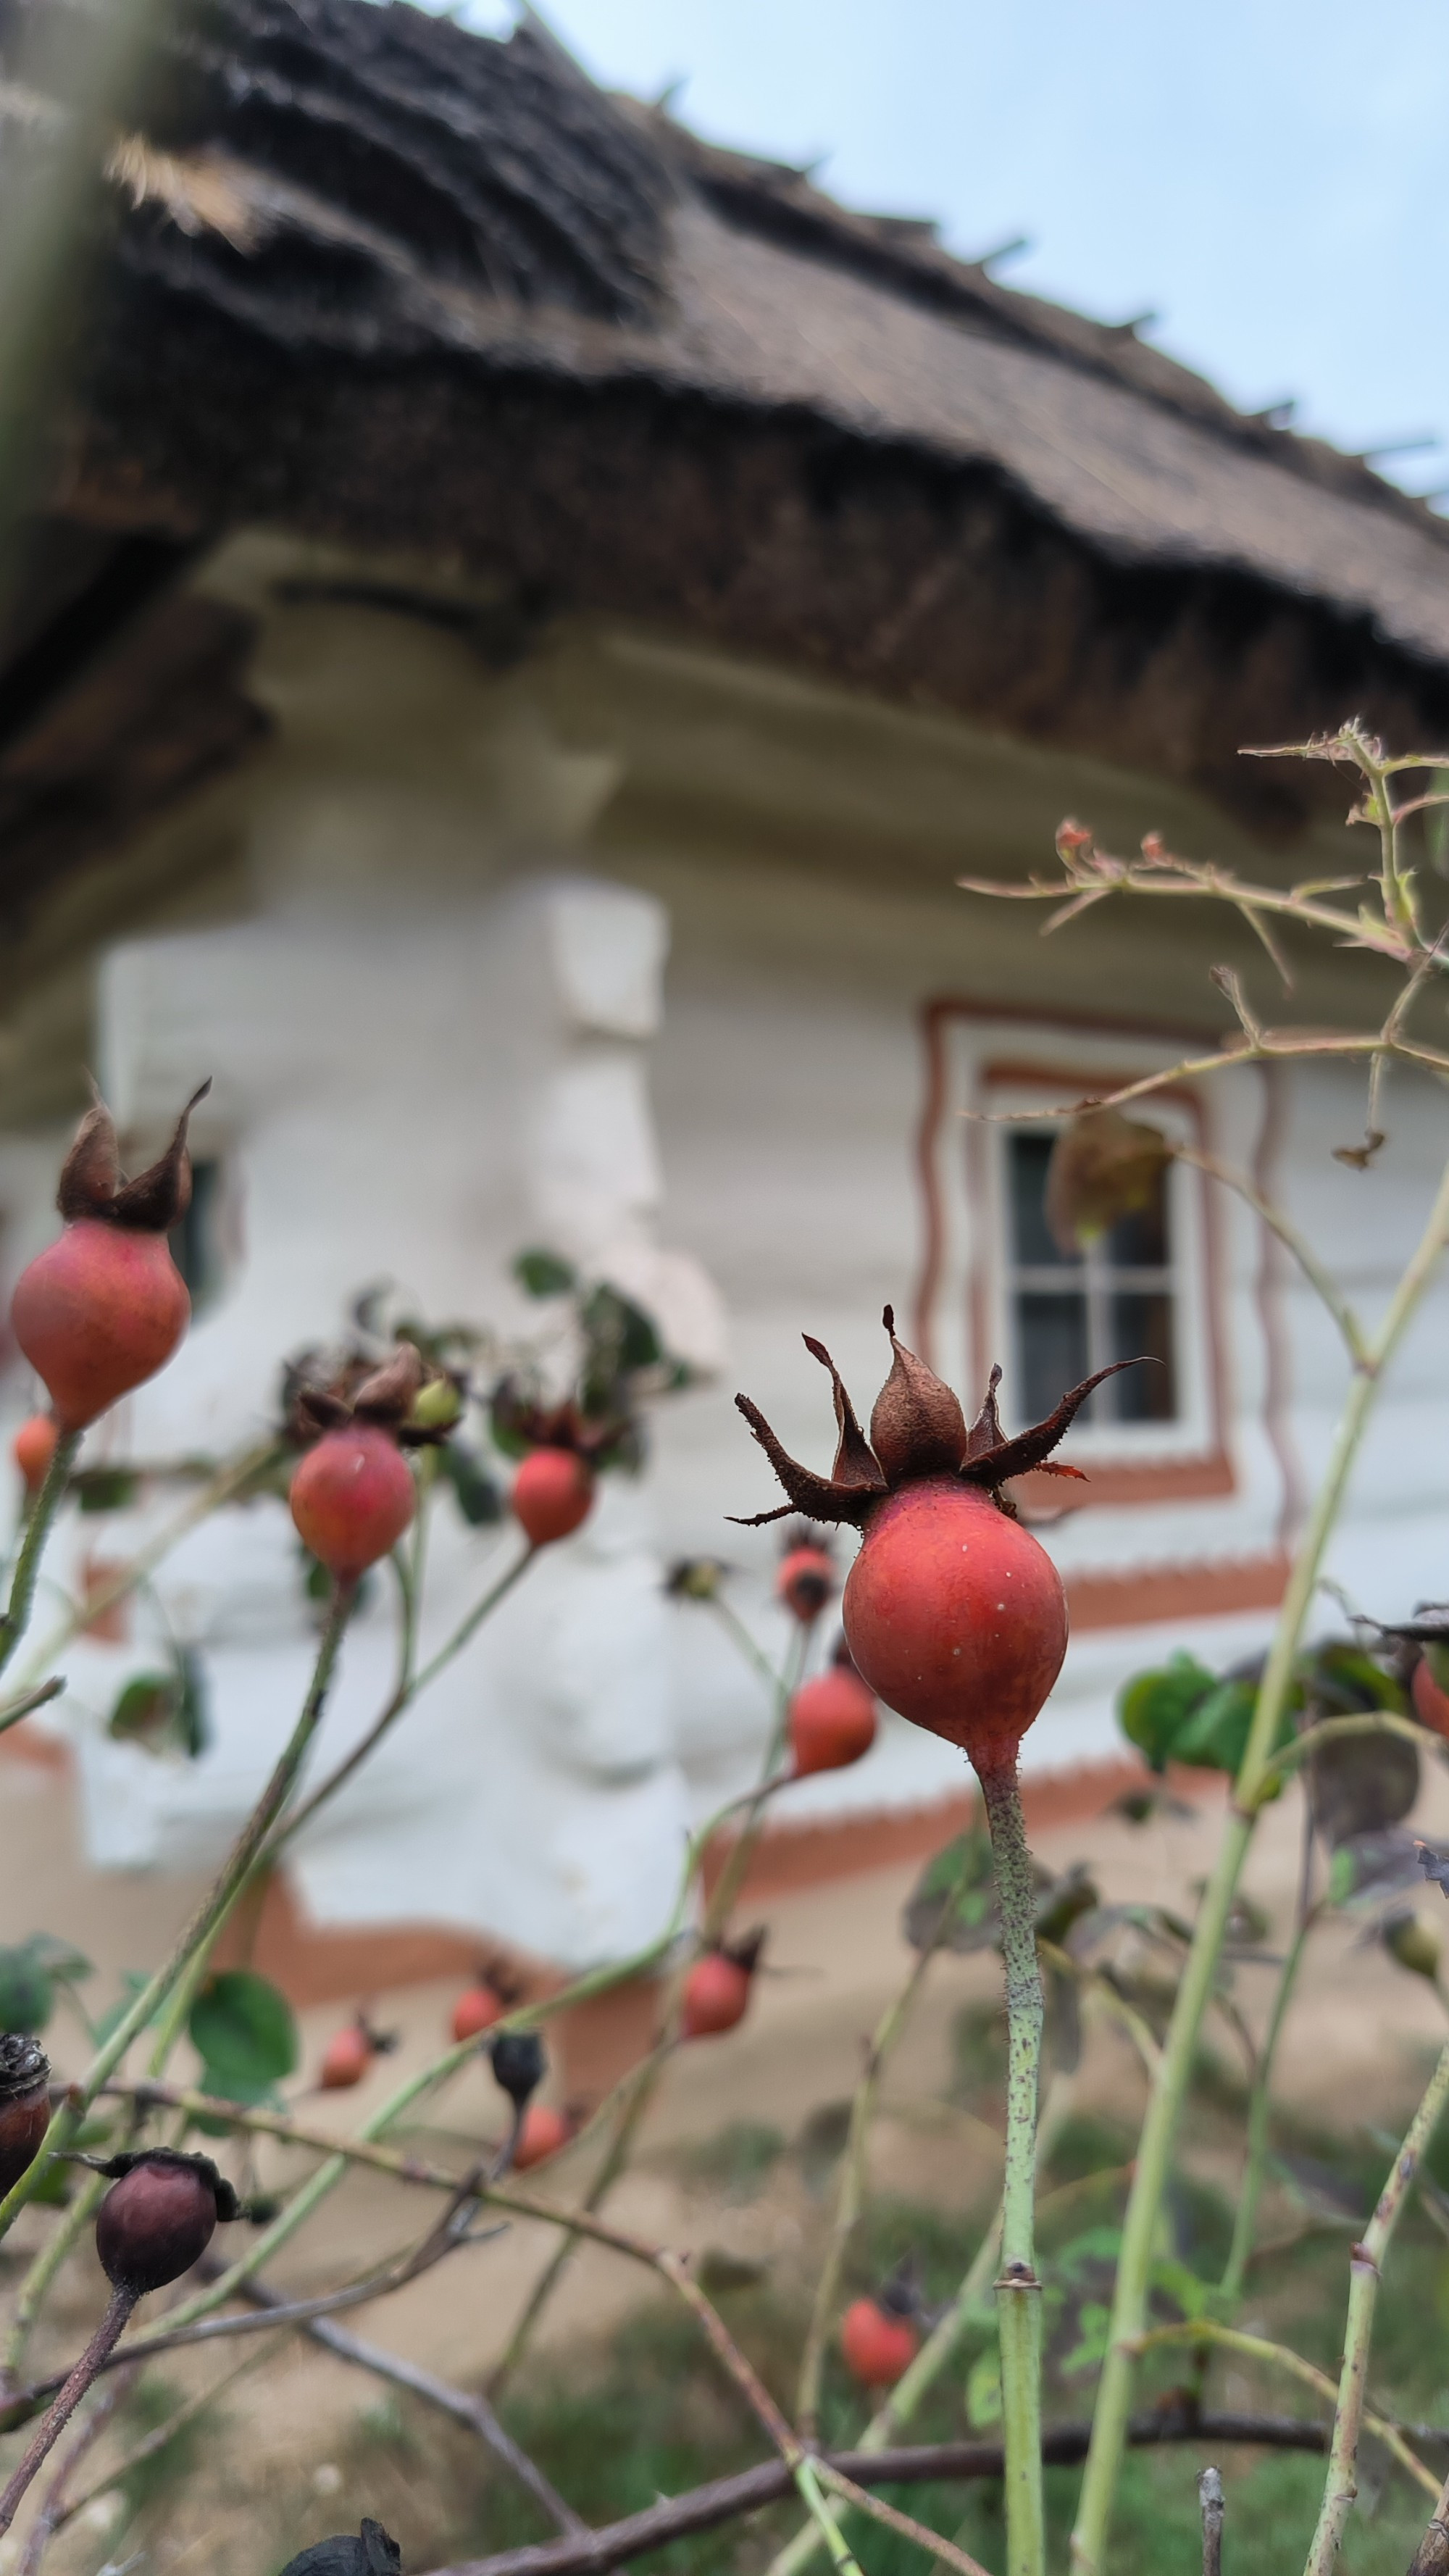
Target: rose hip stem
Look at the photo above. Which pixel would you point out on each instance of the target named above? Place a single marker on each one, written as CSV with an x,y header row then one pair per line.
x,y
102,2344
47,1503
1018,2291
177,1980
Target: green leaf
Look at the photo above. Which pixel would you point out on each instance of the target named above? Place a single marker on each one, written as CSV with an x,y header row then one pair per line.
x,y
983,2391
620,1331
1154,1707
60,1959
1216,1735
474,1491
545,1274
145,1710
104,1489
193,1715
1094,2324
243,2030
27,1994
1095,2245
964,1865
1185,2288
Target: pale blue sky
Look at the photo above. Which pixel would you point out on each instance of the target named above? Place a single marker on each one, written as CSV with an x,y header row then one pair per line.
x,y
1270,176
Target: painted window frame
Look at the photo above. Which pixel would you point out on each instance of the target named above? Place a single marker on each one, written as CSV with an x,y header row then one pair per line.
x,y
982,1058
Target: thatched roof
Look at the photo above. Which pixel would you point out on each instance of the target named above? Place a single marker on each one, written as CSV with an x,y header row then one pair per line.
x,y
377,279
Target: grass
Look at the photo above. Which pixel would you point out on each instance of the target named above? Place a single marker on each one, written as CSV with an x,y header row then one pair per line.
x,y
646,2411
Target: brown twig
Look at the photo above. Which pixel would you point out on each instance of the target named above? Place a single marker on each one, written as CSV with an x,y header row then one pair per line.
x,y
719,2500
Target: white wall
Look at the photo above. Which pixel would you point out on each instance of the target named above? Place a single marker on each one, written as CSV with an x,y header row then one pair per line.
x,y
457,1019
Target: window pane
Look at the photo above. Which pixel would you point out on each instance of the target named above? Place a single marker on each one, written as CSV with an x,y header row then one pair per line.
x,y
1028,1155
1052,1331
194,1237
1140,1241
1142,1326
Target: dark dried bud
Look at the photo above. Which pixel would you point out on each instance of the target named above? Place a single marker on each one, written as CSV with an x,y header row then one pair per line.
x,y
519,2063
91,1183
805,1581
387,1396
900,2294
917,1427
159,2218
695,1578
372,2552
24,2104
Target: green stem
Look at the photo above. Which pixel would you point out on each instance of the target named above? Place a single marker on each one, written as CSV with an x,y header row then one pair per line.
x,y
1018,2291
64,2236
218,1489
1164,2109
1365,2272
640,2084
851,2197
941,2346
808,2488
188,1956
47,1503
1245,2223
258,1834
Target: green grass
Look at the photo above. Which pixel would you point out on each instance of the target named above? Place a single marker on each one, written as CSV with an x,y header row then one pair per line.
x,y
647,2411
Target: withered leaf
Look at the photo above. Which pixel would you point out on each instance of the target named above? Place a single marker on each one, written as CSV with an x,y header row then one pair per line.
x,y
1103,1167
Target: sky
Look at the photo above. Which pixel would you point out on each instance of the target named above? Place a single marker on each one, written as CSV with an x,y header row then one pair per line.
x,y
1269,177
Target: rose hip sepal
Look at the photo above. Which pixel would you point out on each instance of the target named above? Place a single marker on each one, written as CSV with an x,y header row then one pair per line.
x,y
103,1309
953,1613
24,2104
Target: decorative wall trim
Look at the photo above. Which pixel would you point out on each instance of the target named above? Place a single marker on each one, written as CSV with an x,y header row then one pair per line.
x,y
791,1857
1214,1588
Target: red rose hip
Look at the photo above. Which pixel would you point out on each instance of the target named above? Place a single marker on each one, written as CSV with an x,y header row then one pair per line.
x,y
542,2132
352,1498
878,2347
956,1617
552,1495
832,1721
717,1988
33,1448
476,2010
346,2058
805,1582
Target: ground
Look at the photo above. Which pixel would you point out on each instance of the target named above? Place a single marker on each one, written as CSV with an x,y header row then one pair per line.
x,y
735,2162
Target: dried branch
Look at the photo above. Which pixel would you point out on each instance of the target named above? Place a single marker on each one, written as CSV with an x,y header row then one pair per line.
x,y
703,2508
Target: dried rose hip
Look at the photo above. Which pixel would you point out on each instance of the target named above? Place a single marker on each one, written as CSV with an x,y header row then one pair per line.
x,y
159,2217
24,2104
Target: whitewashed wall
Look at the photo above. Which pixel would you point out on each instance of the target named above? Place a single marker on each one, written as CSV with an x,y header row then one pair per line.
x,y
451,1018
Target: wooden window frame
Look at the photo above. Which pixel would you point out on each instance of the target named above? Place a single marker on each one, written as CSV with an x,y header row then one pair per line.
x,y
1124,1468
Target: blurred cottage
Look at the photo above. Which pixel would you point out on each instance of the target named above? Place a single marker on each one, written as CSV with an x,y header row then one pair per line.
x,y
535,614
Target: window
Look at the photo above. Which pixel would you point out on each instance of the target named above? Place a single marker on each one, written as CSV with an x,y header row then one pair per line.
x,y
1069,1314
196,1239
